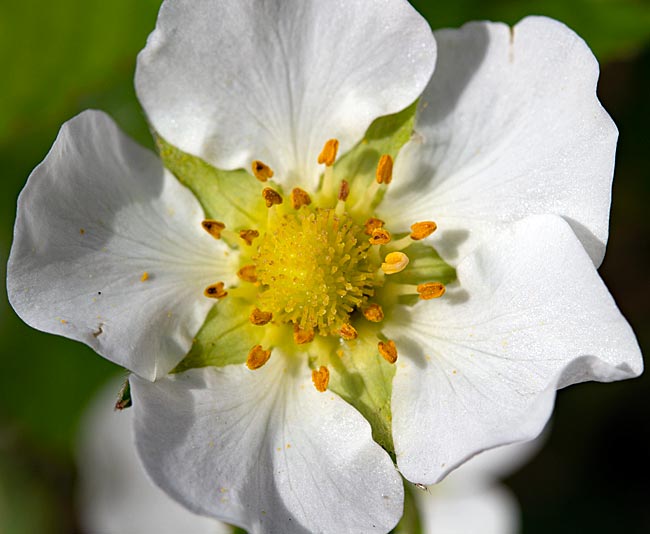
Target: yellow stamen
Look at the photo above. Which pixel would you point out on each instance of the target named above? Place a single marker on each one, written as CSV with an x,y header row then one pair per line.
x,y
388,350
300,336
144,277
249,235
374,313
299,198
259,317
420,230
371,224
348,332
431,290
262,171
344,190
320,378
257,357
395,262
271,197
215,291
380,236
328,154
384,173
214,228
247,273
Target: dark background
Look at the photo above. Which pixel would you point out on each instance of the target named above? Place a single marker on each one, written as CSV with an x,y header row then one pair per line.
x,y
58,58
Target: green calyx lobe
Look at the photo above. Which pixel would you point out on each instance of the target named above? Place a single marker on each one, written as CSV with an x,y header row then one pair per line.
x,y
312,269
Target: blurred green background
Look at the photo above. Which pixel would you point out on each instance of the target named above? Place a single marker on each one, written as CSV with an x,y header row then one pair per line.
x,y
62,57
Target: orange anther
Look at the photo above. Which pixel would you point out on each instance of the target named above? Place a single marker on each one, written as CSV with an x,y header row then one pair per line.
x,y
271,197
374,313
320,378
249,235
215,291
384,172
348,332
380,236
371,224
261,171
214,228
247,273
299,198
257,357
259,317
388,350
420,230
328,154
431,290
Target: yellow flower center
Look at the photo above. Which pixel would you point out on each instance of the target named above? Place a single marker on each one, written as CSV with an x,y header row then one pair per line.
x,y
314,269
324,265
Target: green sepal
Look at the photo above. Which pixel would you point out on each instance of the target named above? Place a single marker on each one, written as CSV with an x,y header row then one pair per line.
x,y
225,338
386,135
425,265
233,197
124,396
360,376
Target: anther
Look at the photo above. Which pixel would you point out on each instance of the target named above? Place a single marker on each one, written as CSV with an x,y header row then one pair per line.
x,y
247,273
261,171
344,190
420,230
320,378
328,154
300,336
431,290
380,236
249,235
299,198
271,197
215,291
144,277
348,332
259,317
374,313
214,228
395,262
384,173
257,357
388,350
371,224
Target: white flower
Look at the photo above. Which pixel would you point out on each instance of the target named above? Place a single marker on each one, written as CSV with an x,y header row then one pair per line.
x,y
510,144
114,494
471,499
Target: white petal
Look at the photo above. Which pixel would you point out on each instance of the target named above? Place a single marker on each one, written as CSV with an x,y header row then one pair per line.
x,y
509,126
479,367
491,510
115,495
234,81
96,215
263,449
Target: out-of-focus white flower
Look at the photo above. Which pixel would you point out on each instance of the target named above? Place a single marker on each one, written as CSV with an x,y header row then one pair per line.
x,y
471,499
114,494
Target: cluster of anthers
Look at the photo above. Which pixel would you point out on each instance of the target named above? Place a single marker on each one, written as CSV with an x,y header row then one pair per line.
x,y
321,265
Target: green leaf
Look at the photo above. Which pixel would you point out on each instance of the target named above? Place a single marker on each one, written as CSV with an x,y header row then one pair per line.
x,y
233,197
386,135
225,338
364,379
